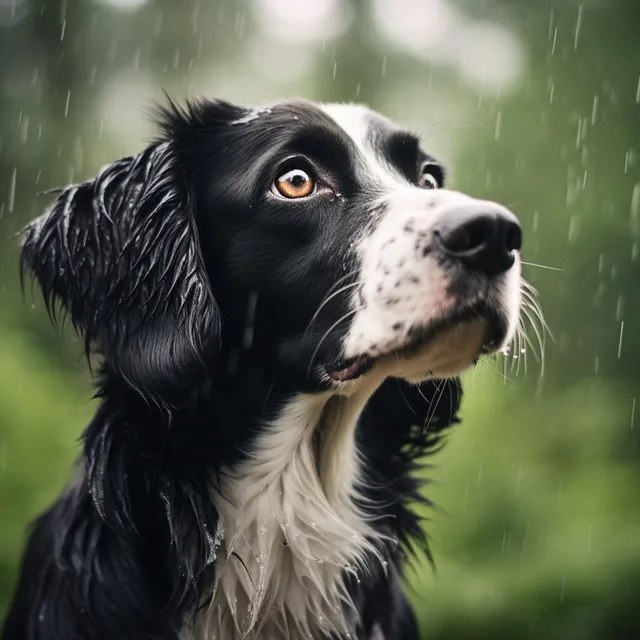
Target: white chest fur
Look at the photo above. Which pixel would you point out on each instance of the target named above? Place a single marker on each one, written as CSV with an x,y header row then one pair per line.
x,y
290,528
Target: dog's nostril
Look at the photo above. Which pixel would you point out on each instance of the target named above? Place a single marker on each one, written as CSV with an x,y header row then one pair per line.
x,y
464,238
484,241
514,238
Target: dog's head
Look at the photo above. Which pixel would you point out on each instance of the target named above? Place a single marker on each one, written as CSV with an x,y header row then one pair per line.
x,y
314,243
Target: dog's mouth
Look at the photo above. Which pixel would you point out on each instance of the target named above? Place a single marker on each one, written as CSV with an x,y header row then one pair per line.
x,y
419,337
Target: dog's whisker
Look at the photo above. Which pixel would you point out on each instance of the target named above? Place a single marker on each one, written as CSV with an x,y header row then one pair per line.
x,y
434,405
541,266
536,312
539,335
328,299
344,317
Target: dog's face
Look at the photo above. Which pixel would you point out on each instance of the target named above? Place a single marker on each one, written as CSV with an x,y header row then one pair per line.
x,y
358,256
307,241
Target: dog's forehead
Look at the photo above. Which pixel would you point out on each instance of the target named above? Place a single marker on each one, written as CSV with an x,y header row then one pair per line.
x,y
360,123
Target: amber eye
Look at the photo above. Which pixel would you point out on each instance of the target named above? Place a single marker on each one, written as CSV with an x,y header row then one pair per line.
x,y
427,178
295,183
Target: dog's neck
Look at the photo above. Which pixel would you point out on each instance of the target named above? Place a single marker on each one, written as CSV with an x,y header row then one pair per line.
x,y
290,526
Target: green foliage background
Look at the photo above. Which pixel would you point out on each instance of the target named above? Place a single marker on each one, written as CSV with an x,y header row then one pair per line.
x,y
540,485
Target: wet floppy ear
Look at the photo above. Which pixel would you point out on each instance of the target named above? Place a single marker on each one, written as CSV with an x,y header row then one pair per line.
x,y
121,256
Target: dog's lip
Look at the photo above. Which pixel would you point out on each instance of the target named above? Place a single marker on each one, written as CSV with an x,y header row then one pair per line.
x,y
353,368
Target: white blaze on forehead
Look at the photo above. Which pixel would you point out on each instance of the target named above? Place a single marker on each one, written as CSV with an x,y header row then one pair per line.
x,y
353,118
358,122
404,286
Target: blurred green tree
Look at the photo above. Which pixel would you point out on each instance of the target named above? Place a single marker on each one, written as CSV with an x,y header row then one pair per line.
x,y
541,482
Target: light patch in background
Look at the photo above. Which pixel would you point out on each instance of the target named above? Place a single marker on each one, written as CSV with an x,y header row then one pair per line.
x,y
124,107
298,21
486,53
421,27
123,5
13,11
283,64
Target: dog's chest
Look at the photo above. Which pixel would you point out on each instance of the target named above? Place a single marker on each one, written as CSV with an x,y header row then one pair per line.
x,y
291,532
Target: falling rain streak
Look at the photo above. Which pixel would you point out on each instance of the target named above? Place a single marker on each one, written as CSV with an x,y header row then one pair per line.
x,y
555,144
12,190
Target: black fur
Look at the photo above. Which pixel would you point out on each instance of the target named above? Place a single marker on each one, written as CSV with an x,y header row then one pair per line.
x,y
157,262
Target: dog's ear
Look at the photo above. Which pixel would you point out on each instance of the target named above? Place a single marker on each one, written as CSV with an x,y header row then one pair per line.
x,y
121,256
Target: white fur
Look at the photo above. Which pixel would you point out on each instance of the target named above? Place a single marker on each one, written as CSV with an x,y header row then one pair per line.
x,y
403,284
290,527
355,120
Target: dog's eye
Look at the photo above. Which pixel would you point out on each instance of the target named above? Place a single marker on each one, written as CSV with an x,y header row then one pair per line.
x,y
429,176
295,183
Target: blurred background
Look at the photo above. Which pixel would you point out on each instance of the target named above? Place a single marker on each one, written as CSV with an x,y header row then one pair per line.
x,y
535,104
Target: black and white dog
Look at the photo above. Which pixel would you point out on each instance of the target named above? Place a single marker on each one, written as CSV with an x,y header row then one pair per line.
x,y
282,299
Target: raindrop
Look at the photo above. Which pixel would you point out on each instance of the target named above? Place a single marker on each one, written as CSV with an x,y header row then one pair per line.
x,y
506,542
195,17
240,23
384,66
573,230
66,106
633,413
579,137
635,207
12,190
498,128
24,130
620,339
594,110
335,69
64,28
578,27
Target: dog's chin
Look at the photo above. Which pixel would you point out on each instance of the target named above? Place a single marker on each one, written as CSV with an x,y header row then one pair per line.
x,y
441,350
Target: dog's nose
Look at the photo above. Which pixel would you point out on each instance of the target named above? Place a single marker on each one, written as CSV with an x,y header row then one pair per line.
x,y
481,235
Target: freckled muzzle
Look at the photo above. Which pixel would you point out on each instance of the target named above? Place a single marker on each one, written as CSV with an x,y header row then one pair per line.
x,y
434,261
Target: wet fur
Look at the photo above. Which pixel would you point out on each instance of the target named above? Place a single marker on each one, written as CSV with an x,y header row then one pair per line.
x,y
223,490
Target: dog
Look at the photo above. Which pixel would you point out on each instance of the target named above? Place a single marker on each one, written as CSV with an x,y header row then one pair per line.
x,y
281,301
